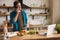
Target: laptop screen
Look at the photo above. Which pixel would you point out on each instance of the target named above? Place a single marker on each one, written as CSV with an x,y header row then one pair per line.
x,y
50,29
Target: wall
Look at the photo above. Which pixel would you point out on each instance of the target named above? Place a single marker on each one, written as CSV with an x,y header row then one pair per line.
x,y
38,19
55,11
37,2
51,11
8,3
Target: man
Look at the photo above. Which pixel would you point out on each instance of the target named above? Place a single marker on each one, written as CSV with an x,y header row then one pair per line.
x,y
18,17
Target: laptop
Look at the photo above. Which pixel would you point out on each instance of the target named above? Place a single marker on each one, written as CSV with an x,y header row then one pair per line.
x,y
50,30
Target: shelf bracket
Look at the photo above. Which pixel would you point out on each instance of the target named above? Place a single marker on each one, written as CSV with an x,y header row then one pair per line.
x,y
8,9
30,9
33,17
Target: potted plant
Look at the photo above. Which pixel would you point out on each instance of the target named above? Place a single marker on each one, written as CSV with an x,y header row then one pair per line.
x,y
58,28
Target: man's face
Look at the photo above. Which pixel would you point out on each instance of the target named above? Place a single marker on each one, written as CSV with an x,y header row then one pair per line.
x,y
19,6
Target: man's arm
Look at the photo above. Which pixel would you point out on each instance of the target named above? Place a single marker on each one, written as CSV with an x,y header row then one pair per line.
x,y
15,18
17,13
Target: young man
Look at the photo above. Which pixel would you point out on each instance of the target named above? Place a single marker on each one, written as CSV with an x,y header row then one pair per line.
x,y
18,17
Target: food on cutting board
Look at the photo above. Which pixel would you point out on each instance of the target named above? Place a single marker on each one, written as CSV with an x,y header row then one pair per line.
x,y
21,33
24,32
32,31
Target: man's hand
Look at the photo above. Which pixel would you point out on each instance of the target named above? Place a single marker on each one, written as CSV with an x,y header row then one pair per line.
x,y
17,11
27,25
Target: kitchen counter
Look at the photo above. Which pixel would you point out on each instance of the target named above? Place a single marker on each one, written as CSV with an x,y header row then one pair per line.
x,y
36,37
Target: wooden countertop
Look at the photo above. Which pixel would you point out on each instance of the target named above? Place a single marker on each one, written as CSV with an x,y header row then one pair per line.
x,y
36,37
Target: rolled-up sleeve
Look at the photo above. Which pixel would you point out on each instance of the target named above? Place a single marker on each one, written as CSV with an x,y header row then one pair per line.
x,y
12,15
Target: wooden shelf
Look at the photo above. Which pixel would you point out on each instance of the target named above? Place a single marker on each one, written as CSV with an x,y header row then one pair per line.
x,y
9,7
30,7
39,14
4,14
3,28
38,25
6,7
33,26
39,8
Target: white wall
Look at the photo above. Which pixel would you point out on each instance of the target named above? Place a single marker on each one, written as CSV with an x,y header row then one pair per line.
x,y
38,19
37,3
8,3
56,11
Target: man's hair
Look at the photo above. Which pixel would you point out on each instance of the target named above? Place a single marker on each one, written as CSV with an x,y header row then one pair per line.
x,y
15,4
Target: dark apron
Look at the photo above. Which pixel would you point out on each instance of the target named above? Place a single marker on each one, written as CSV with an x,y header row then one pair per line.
x,y
20,22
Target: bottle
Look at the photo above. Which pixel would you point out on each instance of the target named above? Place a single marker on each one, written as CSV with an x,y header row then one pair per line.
x,y
5,37
28,25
